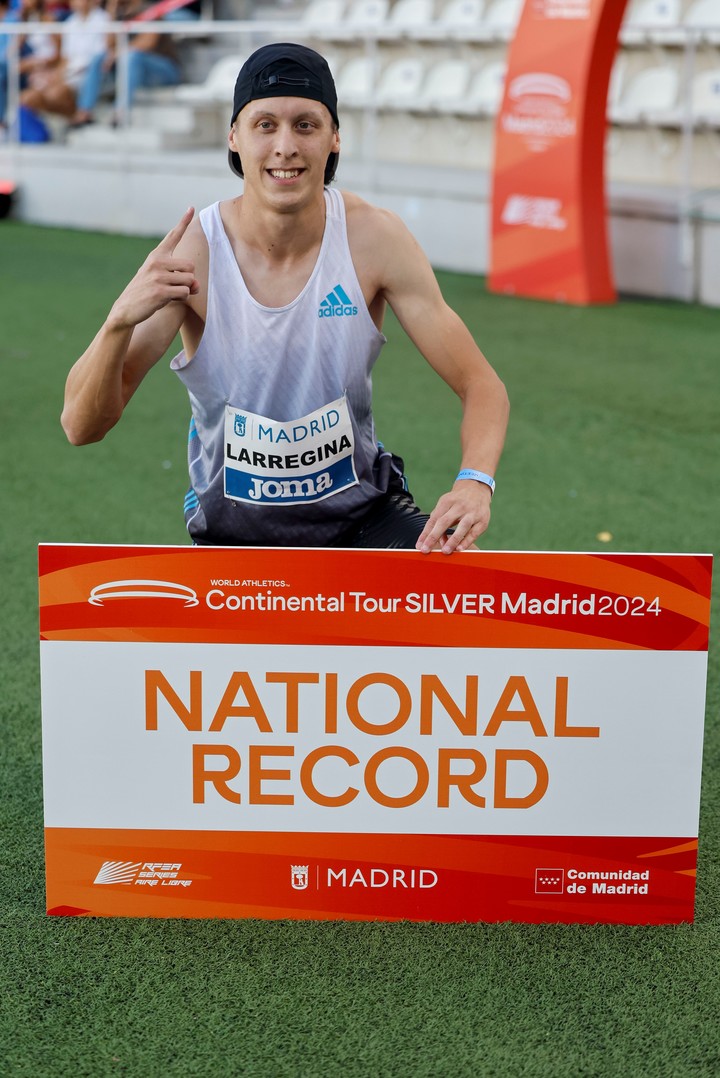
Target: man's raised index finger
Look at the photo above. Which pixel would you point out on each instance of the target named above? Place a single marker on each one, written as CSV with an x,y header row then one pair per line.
x,y
177,232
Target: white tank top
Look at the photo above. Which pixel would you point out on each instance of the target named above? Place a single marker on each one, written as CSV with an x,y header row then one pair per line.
x,y
282,448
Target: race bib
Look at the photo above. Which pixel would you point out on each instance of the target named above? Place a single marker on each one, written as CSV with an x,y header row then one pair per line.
x,y
294,463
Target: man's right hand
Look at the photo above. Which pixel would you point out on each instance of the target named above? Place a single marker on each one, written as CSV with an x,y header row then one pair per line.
x,y
141,326
162,279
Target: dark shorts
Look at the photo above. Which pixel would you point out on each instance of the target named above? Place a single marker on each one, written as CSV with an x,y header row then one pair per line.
x,y
393,522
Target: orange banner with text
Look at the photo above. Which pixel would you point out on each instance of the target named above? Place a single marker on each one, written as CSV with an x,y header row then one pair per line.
x,y
549,229
372,734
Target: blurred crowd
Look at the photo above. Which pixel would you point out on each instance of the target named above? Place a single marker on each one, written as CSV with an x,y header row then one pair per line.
x,y
66,74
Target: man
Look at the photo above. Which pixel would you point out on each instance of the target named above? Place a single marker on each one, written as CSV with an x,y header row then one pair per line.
x,y
279,296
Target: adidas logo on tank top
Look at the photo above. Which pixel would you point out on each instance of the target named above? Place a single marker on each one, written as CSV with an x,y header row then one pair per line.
x,y
337,304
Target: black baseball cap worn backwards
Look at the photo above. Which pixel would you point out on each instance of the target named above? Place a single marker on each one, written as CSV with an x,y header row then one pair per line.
x,y
285,70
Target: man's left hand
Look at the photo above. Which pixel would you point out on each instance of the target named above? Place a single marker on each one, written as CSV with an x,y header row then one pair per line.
x,y
465,509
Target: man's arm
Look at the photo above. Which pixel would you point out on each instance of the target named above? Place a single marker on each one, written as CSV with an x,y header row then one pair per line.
x,y
410,288
138,331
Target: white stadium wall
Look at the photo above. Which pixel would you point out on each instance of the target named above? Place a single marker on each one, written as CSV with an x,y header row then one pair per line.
x,y
418,90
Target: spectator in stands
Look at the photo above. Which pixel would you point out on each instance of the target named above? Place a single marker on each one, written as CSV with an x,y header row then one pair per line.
x,y
7,14
279,295
53,86
152,61
38,52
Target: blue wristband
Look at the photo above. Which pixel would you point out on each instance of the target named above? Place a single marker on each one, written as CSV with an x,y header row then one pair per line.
x,y
479,477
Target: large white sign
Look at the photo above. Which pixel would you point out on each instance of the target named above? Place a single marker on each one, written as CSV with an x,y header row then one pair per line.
x,y
370,713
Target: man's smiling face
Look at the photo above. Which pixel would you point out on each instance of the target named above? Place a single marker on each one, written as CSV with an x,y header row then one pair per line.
x,y
284,144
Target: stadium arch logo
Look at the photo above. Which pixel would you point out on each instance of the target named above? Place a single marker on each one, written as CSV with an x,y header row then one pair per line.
x,y
540,83
142,589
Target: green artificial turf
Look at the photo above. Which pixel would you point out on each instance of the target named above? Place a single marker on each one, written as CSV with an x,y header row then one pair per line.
x,y
614,428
